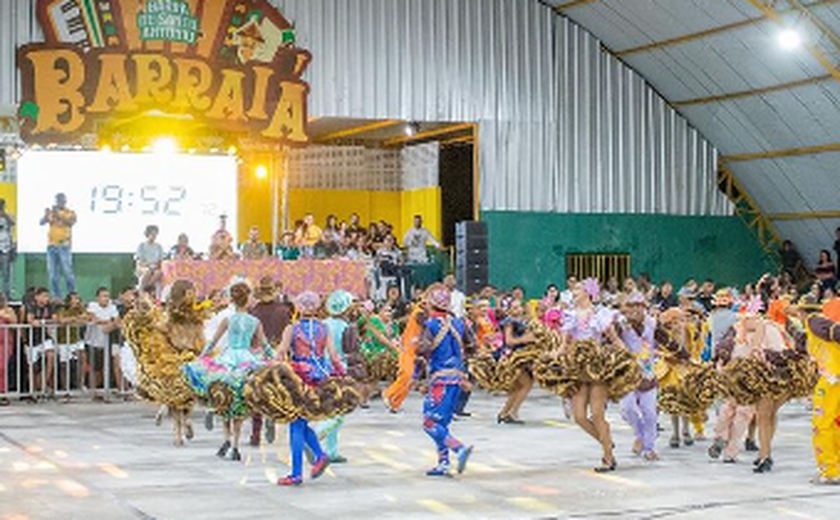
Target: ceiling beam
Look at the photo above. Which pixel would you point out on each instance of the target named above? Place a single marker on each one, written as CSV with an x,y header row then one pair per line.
x,y
816,215
775,154
429,134
469,138
713,31
753,92
378,125
574,3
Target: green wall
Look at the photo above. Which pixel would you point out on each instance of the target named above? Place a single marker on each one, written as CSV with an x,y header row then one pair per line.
x,y
529,249
115,271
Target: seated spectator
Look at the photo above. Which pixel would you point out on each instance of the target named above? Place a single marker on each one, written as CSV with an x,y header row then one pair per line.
x,y
221,243
182,250
253,249
415,241
790,259
826,271
666,299
287,249
610,294
355,223
706,296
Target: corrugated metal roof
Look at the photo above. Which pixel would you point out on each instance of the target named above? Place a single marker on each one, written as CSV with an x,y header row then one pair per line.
x,y
690,49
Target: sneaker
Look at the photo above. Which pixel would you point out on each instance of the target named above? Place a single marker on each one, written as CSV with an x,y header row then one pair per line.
x,y
223,449
235,456
441,470
750,445
208,421
319,467
765,466
716,449
338,459
463,455
290,481
270,431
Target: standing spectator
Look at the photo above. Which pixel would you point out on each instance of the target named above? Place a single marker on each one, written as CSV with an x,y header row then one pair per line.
x,y
355,223
71,317
826,270
837,250
104,319
388,261
415,241
149,262
221,243
61,220
7,248
182,250
307,235
253,249
331,237
7,317
457,299
40,313
791,259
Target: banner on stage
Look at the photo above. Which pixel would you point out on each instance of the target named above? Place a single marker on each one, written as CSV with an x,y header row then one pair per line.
x,y
232,64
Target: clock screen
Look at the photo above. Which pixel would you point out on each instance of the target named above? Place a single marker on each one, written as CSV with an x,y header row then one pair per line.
x,y
115,196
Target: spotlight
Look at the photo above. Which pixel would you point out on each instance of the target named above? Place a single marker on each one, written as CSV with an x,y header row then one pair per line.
x,y
789,39
231,150
165,146
262,172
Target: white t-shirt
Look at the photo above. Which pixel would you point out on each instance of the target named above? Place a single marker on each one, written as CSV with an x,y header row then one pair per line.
x,y
95,336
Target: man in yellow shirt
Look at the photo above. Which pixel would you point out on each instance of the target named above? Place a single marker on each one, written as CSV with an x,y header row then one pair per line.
x,y
61,220
308,235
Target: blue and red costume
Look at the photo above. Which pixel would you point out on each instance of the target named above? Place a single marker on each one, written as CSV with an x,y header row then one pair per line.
x,y
443,343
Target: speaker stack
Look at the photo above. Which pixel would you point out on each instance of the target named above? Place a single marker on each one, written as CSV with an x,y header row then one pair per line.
x,y
472,261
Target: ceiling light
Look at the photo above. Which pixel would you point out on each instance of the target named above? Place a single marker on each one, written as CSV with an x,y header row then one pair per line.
x,y
789,39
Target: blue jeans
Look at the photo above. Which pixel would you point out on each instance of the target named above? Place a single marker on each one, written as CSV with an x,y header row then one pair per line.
x,y
60,262
6,272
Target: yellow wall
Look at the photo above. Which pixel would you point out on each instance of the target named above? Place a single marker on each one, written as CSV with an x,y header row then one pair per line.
x,y
254,205
425,202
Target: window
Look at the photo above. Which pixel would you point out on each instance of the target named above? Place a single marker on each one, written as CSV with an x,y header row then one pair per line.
x,y
598,265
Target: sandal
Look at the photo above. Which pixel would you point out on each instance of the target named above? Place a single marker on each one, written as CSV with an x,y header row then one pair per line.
x,y
606,467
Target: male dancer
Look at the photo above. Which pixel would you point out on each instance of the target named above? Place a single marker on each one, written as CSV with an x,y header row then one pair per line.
x,y
443,342
639,407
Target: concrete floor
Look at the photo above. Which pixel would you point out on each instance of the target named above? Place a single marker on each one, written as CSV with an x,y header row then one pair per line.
x,y
96,461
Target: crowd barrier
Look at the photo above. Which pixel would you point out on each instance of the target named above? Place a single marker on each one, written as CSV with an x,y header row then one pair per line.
x,y
45,361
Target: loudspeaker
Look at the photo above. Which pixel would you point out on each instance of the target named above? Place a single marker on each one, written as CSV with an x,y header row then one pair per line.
x,y
472,261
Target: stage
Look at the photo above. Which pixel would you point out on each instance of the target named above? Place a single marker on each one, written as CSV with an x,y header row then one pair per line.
x,y
108,461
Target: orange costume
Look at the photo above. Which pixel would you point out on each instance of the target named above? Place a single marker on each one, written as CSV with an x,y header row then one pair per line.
x,y
395,394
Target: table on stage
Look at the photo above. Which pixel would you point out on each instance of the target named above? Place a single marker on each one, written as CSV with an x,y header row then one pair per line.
x,y
321,276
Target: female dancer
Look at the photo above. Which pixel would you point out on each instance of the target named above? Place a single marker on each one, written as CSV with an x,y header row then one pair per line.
x,y
516,336
382,337
309,346
395,394
596,366
246,350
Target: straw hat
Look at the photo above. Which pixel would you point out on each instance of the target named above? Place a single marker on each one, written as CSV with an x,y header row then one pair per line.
x,y
266,289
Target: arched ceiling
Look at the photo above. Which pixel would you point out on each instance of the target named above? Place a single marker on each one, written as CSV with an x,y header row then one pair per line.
x,y
773,113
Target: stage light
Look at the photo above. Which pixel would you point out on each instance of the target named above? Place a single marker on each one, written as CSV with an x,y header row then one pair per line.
x,y
105,148
262,172
789,39
125,148
231,150
165,146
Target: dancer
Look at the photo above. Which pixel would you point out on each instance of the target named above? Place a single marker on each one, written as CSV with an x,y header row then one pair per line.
x,y
309,345
346,343
516,336
674,339
824,347
159,359
395,394
592,366
220,372
444,340
639,406
380,348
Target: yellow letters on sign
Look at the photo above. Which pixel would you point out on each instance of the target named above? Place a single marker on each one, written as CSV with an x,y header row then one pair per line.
x,y
112,93
154,75
230,100
61,74
289,117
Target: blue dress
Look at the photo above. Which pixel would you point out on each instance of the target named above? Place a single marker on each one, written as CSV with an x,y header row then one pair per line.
x,y
231,366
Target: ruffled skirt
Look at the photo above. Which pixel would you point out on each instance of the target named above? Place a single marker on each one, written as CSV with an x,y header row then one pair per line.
x,y
693,391
588,362
276,391
221,380
791,375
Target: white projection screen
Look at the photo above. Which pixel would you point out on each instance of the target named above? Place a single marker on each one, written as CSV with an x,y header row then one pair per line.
x,y
116,195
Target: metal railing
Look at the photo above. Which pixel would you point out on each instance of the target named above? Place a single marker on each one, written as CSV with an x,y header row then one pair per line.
x,y
46,361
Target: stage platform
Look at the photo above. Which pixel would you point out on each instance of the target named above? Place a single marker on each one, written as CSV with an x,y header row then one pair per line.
x,y
108,461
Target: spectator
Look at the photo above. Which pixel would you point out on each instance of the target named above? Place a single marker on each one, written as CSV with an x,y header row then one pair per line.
x,y
826,270
629,285
388,261
610,295
355,224
104,319
458,300
7,344
7,248
287,249
253,249
148,261
330,243
837,250
71,317
666,298
790,258
395,300
61,220
567,297
221,243
182,250
274,314
551,298
518,294
707,295
416,240
39,314
812,297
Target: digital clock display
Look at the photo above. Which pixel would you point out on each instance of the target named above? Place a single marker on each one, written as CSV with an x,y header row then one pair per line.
x,y
115,196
